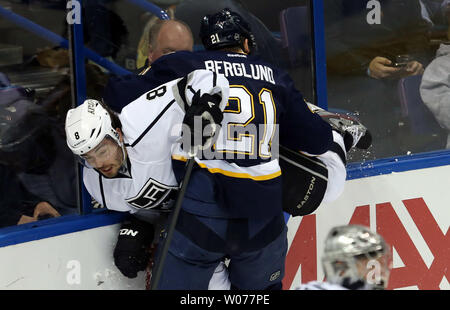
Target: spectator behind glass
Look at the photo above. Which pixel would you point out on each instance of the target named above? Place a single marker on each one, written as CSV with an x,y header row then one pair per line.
x,y
39,181
34,157
168,36
446,9
364,40
435,88
122,90
144,41
104,30
59,100
165,36
17,204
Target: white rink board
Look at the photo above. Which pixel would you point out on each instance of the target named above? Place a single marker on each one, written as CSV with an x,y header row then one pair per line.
x,y
81,260
410,209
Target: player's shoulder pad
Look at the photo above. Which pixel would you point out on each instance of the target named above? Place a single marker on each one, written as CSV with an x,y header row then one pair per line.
x,y
178,55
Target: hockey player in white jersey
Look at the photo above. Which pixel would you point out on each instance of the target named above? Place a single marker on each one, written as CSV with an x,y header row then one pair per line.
x,y
354,258
127,157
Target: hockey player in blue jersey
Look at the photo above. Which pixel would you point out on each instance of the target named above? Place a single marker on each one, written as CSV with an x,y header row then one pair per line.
x,y
233,207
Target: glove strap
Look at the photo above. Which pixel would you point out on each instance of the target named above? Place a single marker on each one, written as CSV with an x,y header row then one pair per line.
x,y
181,85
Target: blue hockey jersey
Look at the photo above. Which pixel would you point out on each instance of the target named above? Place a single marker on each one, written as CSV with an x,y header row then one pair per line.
x,y
264,109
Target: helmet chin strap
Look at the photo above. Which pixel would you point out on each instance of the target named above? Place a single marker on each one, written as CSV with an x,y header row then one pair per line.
x,y
122,146
124,168
124,153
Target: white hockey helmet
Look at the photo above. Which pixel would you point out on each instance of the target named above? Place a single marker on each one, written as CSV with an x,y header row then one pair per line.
x,y
87,125
347,244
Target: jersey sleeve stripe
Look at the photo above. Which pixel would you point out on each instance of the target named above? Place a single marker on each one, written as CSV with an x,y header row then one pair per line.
x,y
153,123
250,174
214,79
181,86
100,181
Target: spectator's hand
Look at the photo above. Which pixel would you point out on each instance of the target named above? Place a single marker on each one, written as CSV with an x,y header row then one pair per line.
x,y
53,58
381,68
132,251
414,68
42,210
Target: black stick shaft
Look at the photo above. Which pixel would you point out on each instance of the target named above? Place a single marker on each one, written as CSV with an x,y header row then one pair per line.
x,y
176,212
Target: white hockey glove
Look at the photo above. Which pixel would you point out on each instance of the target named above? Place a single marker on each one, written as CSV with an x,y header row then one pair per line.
x,y
354,133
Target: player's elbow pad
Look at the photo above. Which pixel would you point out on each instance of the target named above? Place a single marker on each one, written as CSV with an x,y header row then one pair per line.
x,y
304,182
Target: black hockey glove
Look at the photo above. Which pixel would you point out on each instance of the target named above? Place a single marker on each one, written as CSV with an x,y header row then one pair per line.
x,y
201,122
132,253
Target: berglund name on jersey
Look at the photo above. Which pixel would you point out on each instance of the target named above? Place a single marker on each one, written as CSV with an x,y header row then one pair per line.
x,y
251,71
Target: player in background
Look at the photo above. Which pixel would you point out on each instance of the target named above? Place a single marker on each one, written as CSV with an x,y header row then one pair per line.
x,y
163,37
354,258
168,36
127,157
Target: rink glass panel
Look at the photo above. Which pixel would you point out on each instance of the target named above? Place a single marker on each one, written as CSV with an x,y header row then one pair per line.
x,y
392,109
39,174
118,30
55,65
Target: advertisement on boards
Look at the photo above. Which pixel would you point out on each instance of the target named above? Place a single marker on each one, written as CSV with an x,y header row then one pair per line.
x,y
409,209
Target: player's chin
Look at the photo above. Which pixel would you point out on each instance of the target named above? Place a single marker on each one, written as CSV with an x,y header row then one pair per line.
x,y
109,172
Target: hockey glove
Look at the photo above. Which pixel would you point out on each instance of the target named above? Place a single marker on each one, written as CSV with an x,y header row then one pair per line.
x,y
354,133
201,122
132,251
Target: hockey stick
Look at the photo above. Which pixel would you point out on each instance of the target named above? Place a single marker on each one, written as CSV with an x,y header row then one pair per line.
x,y
170,230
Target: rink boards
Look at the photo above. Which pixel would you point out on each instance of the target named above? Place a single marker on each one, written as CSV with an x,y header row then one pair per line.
x,y
410,209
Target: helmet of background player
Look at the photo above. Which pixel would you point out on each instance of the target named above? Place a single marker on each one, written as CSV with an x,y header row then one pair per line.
x,y
26,141
225,29
356,258
87,125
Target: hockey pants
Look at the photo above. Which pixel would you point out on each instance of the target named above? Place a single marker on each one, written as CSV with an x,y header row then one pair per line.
x,y
199,244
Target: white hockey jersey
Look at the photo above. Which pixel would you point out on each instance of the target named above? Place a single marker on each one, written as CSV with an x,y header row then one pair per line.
x,y
151,125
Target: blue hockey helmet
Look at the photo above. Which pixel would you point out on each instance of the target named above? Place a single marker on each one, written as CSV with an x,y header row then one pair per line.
x,y
225,29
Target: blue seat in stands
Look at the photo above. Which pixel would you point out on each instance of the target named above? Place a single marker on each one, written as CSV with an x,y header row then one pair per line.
x,y
421,119
295,27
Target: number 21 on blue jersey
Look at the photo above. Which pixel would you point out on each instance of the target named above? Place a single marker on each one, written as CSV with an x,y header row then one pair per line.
x,y
240,134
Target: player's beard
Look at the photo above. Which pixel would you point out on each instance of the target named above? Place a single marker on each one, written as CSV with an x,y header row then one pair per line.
x,y
112,168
